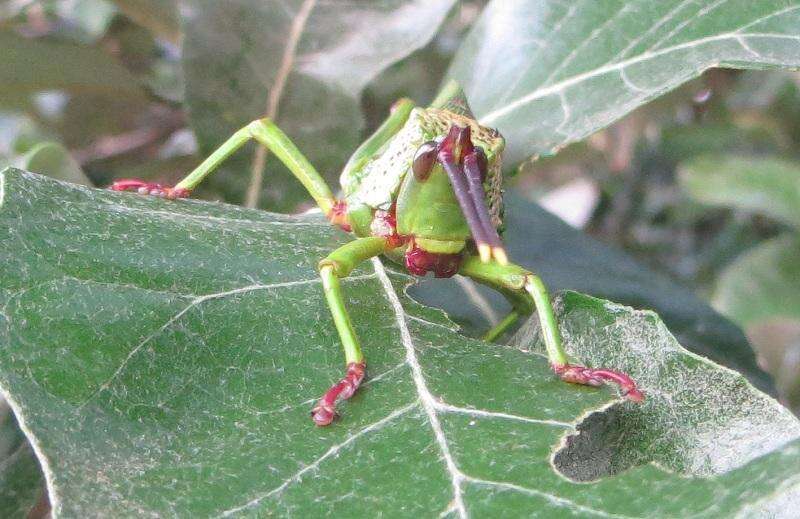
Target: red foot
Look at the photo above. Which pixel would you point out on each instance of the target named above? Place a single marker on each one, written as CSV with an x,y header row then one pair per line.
x,y
149,188
597,377
325,411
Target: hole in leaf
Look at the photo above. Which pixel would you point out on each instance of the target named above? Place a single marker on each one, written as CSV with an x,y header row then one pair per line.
x,y
601,447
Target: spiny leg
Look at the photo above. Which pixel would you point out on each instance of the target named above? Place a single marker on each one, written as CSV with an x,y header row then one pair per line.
x,y
269,135
525,291
338,265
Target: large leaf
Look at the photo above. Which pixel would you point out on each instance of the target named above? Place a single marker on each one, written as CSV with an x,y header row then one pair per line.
x,y
30,65
547,72
163,358
304,63
568,259
765,185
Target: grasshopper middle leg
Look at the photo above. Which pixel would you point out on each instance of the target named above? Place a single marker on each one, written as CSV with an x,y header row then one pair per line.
x,y
526,291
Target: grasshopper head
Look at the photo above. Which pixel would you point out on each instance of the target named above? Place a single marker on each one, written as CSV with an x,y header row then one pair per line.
x,y
467,165
437,124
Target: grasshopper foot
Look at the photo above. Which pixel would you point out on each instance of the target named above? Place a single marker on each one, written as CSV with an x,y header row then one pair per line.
x,y
149,188
325,411
597,377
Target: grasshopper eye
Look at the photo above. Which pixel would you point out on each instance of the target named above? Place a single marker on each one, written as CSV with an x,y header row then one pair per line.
x,y
424,159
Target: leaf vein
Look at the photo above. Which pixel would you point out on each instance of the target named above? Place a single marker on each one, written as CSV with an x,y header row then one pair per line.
x,y
678,28
592,35
431,323
314,464
556,88
556,500
368,382
425,396
667,17
195,302
631,85
568,13
482,413
747,47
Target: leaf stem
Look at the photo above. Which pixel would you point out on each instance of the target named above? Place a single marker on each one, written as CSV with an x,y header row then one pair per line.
x,y
274,98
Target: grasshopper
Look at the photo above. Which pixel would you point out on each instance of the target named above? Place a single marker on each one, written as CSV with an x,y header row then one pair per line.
x,y
424,191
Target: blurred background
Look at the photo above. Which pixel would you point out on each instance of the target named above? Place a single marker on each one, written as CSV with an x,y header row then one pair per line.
x,y
700,187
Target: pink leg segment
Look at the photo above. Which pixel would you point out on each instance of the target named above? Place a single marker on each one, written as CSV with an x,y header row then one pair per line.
x,y
149,188
325,411
419,262
338,215
597,377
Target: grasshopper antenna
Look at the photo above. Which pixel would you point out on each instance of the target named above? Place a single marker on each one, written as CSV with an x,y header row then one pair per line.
x,y
466,167
446,157
475,167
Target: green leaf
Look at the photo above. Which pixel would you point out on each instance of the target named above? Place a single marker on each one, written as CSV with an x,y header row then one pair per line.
x,y
164,356
765,185
303,63
53,160
32,65
547,73
568,259
687,395
762,284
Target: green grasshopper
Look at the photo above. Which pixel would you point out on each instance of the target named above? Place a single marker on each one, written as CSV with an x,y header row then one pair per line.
x,y
424,191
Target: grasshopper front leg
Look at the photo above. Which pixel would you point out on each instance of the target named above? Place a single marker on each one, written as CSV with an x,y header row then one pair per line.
x,y
338,265
525,290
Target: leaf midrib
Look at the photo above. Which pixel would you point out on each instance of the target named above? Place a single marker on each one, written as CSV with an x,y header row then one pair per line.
x,y
562,85
432,407
423,393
